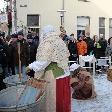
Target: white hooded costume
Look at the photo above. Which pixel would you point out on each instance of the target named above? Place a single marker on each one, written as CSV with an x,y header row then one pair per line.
x,y
52,65
51,49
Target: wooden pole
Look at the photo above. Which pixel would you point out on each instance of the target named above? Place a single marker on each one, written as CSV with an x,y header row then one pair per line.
x,y
20,74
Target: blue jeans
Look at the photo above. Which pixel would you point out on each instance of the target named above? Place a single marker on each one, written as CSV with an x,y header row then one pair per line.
x,y
23,71
5,72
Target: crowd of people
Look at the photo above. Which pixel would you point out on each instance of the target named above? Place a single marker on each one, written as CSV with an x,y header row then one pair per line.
x,y
81,45
49,53
86,45
9,54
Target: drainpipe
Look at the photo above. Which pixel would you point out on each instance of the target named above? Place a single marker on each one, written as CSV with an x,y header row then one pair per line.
x,y
63,7
15,16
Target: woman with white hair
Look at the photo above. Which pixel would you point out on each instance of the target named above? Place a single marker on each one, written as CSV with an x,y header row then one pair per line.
x,y
52,65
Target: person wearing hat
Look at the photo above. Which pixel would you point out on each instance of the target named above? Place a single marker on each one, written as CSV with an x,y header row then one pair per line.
x,y
32,48
90,43
21,44
52,63
14,37
11,66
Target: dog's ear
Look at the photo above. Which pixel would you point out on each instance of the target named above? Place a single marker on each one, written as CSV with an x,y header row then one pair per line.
x,y
107,71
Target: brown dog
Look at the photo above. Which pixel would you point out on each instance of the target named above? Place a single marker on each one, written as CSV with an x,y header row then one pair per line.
x,y
109,74
82,84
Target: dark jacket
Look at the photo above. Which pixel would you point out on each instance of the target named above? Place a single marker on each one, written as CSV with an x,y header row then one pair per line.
x,y
24,52
72,47
108,51
90,45
100,48
36,41
33,51
4,53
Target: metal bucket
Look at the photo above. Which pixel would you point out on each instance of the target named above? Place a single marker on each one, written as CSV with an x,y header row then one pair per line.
x,y
14,80
10,100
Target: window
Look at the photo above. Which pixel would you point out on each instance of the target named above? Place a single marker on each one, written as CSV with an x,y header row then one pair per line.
x,y
33,22
83,23
110,27
101,22
102,27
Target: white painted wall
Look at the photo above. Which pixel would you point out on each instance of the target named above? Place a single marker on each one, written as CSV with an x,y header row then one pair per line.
x,y
47,10
49,15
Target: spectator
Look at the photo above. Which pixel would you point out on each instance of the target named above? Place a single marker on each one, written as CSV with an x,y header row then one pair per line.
x,y
108,51
8,38
72,47
81,46
90,43
35,38
32,48
64,37
24,53
99,47
4,56
61,28
14,38
11,65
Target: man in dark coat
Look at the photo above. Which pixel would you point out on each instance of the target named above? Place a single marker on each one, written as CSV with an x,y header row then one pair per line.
x,y
72,47
32,52
11,54
90,43
35,38
100,48
24,53
32,48
4,56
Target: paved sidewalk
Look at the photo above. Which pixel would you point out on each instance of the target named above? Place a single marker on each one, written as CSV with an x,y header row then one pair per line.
x,y
103,101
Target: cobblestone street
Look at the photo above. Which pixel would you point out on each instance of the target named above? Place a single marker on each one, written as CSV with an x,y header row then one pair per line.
x,y
103,101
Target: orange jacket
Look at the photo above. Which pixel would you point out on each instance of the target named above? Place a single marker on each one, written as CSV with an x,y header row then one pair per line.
x,y
82,48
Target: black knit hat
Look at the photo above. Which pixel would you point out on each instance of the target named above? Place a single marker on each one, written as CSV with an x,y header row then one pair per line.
x,y
29,36
14,36
20,33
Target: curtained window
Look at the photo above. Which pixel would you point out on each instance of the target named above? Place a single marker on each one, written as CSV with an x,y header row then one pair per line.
x,y
110,27
101,27
82,23
33,22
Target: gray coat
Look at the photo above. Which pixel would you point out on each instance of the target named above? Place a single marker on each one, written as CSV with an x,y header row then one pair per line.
x,y
108,51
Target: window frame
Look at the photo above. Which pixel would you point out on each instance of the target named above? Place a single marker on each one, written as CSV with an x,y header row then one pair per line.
x,y
110,27
83,26
102,26
38,25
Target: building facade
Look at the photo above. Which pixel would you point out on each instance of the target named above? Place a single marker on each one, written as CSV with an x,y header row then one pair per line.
x,y
77,16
